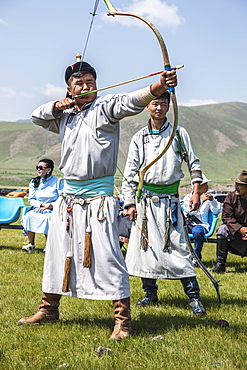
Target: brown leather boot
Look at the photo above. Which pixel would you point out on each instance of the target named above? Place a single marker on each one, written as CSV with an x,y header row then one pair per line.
x,y
47,312
122,328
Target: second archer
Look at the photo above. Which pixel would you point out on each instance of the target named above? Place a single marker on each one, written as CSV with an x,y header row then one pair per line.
x,y
157,248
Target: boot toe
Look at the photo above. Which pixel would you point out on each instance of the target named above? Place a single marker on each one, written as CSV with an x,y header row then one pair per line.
x,y
39,318
219,268
32,320
120,333
147,301
197,307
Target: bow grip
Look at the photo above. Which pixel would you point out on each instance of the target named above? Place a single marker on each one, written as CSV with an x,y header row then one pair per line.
x,y
170,89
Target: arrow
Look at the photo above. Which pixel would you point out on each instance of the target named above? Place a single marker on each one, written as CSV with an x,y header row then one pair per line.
x,y
123,83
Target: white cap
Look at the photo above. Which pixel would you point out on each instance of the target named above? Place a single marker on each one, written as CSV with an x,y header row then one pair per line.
x,y
204,179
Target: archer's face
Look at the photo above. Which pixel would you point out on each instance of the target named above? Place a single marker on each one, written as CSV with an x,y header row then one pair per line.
x,y
158,109
82,85
241,189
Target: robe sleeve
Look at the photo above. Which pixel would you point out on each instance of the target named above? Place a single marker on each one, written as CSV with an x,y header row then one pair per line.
x,y
44,116
130,174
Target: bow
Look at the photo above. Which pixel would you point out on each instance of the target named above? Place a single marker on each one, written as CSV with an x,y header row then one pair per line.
x,y
201,265
112,11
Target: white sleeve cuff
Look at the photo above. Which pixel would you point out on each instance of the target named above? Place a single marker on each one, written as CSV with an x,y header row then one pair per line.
x,y
145,96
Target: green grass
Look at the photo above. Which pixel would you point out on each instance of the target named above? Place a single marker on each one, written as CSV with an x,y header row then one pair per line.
x,y
188,342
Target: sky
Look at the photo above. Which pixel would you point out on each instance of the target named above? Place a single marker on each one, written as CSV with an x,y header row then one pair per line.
x,y
39,39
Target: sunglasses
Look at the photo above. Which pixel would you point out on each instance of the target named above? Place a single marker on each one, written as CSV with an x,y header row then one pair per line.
x,y
40,167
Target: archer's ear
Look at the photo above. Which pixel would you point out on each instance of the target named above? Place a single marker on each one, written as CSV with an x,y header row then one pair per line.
x,y
69,91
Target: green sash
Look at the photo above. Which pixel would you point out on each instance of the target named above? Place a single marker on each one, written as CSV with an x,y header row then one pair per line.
x,y
162,189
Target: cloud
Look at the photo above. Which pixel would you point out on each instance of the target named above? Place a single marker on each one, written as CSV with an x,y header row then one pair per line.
x,y
52,91
156,11
9,92
4,23
195,102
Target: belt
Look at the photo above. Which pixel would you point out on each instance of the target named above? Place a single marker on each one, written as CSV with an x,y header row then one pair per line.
x,y
156,198
162,189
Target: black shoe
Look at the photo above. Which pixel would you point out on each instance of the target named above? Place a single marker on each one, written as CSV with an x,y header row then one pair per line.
x,y
219,268
195,263
147,300
197,307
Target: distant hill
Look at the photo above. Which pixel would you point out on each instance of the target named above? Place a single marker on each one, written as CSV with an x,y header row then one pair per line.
x,y
218,133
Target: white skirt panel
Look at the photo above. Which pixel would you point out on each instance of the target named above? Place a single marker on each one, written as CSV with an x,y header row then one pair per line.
x,y
108,278
154,263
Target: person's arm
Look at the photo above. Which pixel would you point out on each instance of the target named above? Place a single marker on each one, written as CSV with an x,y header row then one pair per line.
x,y
59,186
119,106
214,205
32,196
194,168
47,118
194,202
185,203
129,184
229,216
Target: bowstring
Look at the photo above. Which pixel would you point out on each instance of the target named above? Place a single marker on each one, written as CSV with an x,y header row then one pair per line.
x,y
83,54
88,34
90,27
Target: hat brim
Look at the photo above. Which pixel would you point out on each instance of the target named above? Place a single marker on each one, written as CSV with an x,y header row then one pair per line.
x,y
205,182
239,181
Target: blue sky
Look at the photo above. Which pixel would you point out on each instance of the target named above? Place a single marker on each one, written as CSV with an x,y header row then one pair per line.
x,y
39,39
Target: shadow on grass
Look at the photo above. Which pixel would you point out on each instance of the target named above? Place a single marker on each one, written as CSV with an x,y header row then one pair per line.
x,y
240,266
208,303
150,324
8,247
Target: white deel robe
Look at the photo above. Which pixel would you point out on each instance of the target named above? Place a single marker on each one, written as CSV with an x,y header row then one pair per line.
x,y
107,279
90,141
154,262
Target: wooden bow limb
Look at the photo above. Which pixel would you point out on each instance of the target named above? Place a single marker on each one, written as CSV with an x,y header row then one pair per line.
x,y
167,67
201,265
125,82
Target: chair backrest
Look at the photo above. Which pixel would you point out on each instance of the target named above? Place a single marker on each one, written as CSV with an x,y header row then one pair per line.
x,y
10,209
212,220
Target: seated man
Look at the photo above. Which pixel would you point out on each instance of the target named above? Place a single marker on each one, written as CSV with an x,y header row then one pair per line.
x,y
232,234
198,224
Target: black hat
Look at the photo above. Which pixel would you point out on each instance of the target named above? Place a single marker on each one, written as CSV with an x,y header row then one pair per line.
x,y
79,67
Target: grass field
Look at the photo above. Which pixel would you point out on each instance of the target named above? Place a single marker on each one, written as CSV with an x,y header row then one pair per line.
x,y
187,343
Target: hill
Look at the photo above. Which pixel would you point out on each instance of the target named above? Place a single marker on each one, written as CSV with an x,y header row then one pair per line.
x,y
218,133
